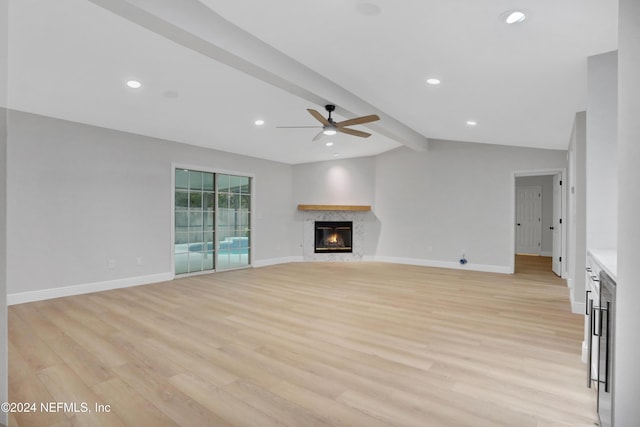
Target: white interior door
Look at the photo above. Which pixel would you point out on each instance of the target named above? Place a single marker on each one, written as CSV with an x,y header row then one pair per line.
x,y
528,220
556,264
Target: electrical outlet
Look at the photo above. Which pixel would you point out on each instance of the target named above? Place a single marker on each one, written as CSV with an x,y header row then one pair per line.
x,y
112,263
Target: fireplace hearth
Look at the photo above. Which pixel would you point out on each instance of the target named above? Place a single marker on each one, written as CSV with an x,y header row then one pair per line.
x,y
333,236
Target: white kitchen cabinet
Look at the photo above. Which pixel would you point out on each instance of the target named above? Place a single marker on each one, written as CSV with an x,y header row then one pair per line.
x,y
597,260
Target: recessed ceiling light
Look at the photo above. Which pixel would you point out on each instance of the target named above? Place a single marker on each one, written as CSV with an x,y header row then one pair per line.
x,y
433,81
134,84
336,154
471,123
259,122
515,17
329,144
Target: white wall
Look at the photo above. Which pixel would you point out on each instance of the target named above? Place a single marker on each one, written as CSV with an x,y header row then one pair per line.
x,y
627,346
577,216
79,195
546,184
3,262
602,135
3,208
338,182
429,206
457,196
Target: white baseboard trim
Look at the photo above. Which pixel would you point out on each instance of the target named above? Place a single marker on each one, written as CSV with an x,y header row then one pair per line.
x,y
275,261
576,307
31,296
65,291
569,282
442,264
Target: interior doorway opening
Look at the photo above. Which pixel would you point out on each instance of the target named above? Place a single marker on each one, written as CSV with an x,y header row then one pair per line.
x,y
538,227
532,265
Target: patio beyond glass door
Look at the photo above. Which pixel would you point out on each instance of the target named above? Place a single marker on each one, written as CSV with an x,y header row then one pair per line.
x,y
194,221
212,221
233,221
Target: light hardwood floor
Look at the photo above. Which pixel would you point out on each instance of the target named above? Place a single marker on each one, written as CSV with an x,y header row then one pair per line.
x,y
308,344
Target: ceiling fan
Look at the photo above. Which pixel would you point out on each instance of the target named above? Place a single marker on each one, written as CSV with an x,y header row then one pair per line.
x,y
331,127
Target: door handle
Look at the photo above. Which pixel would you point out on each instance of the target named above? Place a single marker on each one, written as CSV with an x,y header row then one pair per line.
x,y
608,338
590,344
595,312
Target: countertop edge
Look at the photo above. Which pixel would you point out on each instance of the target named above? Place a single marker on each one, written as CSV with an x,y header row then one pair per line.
x,y
607,259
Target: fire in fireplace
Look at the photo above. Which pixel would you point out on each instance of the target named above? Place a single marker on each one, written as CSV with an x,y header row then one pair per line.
x,y
333,236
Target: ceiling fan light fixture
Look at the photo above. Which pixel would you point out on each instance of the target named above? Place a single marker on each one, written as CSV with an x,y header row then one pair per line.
x,y
515,17
329,131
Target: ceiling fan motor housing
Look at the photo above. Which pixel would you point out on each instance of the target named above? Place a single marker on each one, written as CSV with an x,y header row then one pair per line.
x,y
330,108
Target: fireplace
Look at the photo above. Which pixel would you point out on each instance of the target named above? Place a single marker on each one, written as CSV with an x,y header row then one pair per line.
x,y
333,236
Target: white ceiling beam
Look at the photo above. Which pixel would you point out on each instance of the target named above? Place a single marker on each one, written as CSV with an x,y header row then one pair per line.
x,y
195,26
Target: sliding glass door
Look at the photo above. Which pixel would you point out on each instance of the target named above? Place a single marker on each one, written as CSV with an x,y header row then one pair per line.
x,y
194,221
212,221
232,221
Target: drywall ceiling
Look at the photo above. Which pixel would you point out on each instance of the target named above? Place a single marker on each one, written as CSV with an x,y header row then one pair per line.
x,y
522,84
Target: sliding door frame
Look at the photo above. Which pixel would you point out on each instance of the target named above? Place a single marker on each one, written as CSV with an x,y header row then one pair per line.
x,y
200,168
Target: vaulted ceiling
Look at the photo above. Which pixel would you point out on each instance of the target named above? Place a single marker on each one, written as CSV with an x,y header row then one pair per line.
x,y
210,68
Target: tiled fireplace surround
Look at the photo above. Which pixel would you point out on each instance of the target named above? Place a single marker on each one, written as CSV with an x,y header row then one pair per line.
x,y
310,217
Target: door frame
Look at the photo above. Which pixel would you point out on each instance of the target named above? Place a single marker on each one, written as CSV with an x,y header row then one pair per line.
x,y
555,216
563,212
172,201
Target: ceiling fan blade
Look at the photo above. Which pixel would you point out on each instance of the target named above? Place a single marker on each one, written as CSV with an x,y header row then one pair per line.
x,y
358,120
318,136
319,117
354,132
